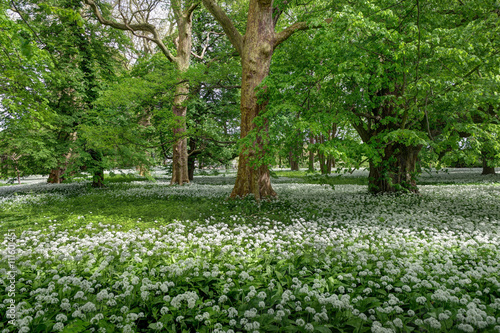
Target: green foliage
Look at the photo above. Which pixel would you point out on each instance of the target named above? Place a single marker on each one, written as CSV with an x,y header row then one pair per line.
x,y
410,74
189,260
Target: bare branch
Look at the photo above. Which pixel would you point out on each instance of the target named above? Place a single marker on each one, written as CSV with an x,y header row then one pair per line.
x,y
144,26
232,33
204,49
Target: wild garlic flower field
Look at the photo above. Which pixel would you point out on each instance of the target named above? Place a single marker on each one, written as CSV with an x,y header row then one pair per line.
x,y
317,259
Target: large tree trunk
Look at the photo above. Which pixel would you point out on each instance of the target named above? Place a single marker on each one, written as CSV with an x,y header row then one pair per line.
x,y
256,49
396,171
255,60
180,174
487,170
56,176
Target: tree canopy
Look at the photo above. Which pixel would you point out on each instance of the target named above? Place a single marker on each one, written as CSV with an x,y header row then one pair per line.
x,y
395,86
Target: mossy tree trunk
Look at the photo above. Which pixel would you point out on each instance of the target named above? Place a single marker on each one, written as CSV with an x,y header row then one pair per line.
x,y
396,170
180,174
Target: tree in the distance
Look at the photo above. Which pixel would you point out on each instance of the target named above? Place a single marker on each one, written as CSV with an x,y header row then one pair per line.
x,y
135,18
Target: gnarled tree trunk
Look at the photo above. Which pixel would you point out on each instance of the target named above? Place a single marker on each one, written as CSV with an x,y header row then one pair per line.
x,y
256,50
396,171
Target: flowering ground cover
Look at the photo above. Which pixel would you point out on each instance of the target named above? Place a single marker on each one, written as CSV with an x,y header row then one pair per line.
x,y
146,257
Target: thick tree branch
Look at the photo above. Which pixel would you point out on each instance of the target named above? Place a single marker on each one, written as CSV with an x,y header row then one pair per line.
x,y
227,25
145,27
204,49
286,33
191,8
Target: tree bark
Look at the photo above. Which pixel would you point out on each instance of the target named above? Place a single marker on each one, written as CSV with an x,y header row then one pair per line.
x,y
311,154
487,170
256,61
396,171
180,174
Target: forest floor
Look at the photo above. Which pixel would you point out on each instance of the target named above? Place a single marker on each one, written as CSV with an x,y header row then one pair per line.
x,y
325,256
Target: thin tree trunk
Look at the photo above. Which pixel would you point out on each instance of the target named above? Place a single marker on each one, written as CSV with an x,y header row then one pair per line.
x,y
330,162
142,170
321,156
97,169
191,159
191,167
294,163
311,154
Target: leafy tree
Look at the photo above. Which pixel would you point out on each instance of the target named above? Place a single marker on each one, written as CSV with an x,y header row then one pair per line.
x,y
79,66
256,48
136,18
404,74
25,116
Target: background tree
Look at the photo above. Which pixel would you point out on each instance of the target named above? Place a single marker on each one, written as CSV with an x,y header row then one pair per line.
x,y
136,18
80,66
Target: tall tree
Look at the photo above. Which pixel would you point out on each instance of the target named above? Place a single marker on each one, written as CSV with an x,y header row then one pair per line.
x,y
136,19
256,48
408,75
80,64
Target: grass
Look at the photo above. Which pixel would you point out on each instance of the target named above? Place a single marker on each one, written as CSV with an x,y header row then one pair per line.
x,y
317,259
